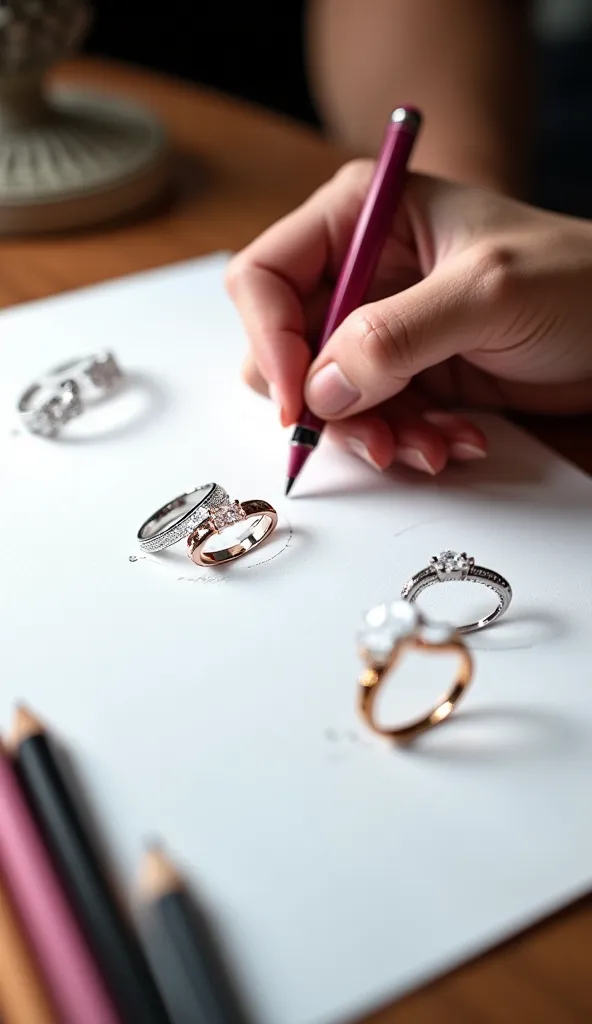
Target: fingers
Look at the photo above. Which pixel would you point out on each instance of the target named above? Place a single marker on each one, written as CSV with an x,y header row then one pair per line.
x,y
281,287
465,441
368,437
252,376
276,280
274,319
422,440
411,442
405,431
379,348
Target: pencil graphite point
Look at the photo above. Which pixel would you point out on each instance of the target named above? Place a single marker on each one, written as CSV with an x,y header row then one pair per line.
x,y
158,875
25,724
290,484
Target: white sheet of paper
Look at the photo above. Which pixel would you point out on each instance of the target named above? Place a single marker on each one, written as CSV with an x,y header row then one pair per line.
x,y
216,708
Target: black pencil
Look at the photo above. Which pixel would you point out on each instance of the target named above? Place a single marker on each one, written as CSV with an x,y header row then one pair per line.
x,y
111,936
194,982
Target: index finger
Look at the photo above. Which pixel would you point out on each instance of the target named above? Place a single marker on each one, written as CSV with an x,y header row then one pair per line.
x,y
276,278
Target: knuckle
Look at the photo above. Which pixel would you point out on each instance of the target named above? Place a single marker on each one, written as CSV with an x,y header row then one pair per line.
x,y
386,347
494,268
354,173
235,272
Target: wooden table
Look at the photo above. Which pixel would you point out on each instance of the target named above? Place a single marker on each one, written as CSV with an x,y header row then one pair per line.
x,y
239,169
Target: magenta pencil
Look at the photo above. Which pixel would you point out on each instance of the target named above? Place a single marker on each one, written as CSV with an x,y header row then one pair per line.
x,y
54,933
367,242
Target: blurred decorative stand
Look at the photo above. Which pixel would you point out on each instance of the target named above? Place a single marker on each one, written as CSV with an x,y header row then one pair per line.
x,y
68,158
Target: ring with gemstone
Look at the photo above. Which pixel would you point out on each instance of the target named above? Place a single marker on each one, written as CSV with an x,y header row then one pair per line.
x,y
259,519
449,567
61,393
388,632
180,517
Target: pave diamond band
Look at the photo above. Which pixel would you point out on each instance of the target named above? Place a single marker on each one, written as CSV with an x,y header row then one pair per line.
x,y
61,394
451,567
178,518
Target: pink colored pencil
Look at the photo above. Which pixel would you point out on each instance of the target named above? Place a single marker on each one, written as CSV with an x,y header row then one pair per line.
x,y
369,236
54,933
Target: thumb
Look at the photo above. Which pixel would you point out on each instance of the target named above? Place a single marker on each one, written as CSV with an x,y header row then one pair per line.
x,y
376,351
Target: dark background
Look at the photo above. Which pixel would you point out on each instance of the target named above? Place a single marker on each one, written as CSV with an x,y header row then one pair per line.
x,y
254,49
250,49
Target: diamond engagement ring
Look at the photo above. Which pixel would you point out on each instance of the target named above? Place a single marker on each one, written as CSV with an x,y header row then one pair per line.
x,y
448,567
259,519
61,394
178,518
387,633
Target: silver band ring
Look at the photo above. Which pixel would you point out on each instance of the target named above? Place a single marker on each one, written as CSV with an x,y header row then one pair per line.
x,y
61,394
450,567
180,517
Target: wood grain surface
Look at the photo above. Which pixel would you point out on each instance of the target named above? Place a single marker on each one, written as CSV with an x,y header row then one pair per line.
x,y
237,170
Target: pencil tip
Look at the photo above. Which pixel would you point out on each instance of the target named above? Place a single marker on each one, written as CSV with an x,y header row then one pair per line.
x,y
25,724
290,484
152,842
158,874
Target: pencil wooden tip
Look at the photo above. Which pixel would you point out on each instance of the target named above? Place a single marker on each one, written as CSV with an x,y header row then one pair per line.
x,y
24,725
158,875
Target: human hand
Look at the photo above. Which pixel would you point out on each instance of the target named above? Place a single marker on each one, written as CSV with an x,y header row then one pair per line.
x,y
477,301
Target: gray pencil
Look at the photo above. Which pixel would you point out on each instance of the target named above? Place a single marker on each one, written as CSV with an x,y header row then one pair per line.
x,y
192,979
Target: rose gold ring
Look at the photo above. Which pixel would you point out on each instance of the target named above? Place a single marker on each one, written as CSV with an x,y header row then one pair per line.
x,y
259,517
388,632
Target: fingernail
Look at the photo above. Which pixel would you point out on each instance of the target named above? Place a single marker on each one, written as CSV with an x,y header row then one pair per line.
x,y
416,459
440,418
329,392
359,448
463,451
274,394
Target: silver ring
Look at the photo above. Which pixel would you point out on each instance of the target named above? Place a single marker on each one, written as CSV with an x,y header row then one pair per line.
x,y
61,394
450,567
180,517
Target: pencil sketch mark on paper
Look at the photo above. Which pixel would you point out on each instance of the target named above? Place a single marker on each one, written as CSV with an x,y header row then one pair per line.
x,y
222,574
202,579
280,551
219,578
343,741
348,735
186,579
423,522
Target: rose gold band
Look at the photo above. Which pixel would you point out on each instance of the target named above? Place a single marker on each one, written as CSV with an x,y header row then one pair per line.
x,y
264,521
371,680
